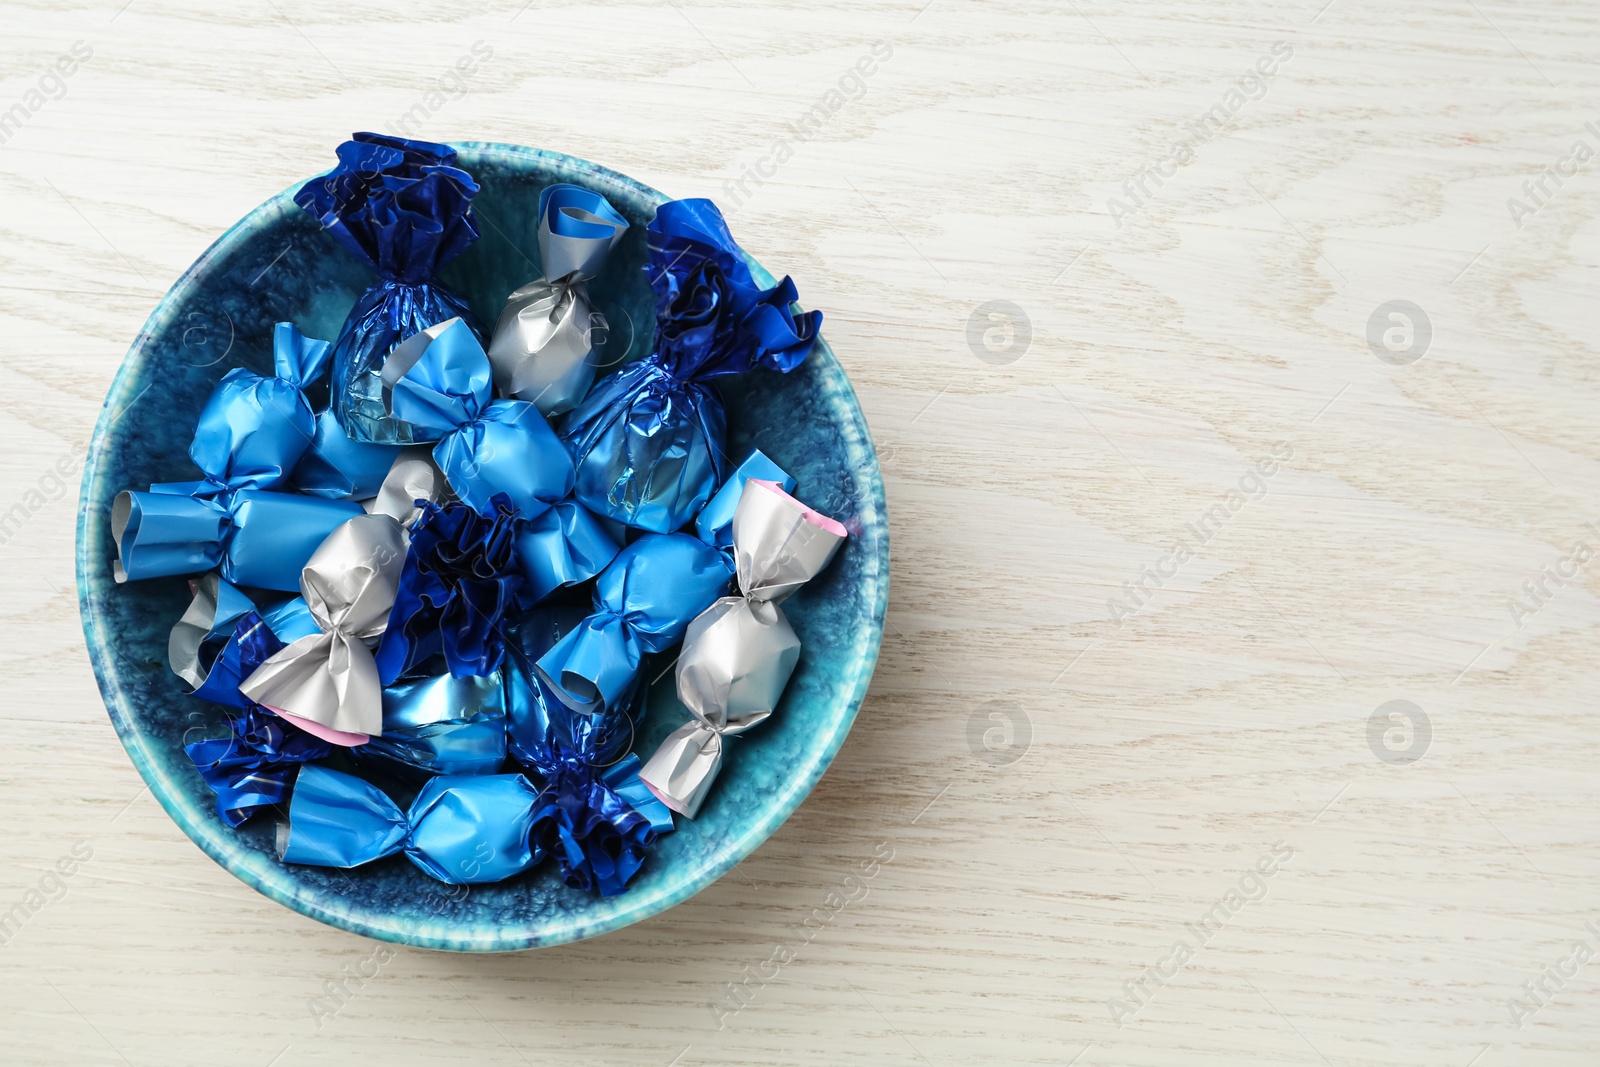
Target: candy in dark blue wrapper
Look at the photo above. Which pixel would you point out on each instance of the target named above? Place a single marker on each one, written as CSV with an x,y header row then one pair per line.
x,y
648,440
599,823
460,582
593,813
405,208
251,768
255,764
463,830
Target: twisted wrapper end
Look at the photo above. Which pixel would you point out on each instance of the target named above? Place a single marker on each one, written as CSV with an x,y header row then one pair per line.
x,y
682,770
598,823
216,606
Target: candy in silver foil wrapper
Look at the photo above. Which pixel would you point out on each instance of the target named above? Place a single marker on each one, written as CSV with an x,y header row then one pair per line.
x,y
550,341
739,653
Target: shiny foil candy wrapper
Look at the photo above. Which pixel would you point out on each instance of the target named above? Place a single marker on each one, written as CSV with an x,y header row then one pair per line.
x,y
404,208
461,829
327,683
439,380
549,340
739,653
251,436
441,725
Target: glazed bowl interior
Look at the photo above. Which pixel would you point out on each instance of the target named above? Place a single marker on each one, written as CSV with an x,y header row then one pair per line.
x,y
278,265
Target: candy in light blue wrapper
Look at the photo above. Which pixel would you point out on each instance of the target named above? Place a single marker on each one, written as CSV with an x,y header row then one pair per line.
x,y
648,440
714,524
253,537
250,435
256,427
335,466
441,725
567,544
643,602
405,208
541,731
262,430
440,381
464,830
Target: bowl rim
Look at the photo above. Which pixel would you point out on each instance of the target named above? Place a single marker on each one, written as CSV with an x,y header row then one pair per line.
x,y
279,882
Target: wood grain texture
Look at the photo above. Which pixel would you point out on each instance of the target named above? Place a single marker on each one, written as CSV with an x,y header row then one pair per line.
x,y
1164,752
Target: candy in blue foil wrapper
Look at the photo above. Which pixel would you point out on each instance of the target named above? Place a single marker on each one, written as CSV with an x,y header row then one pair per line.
x,y
255,764
254,428
599,824
460,583
714,524
477,829
643,601
441,725
648,440
440,381
549,340
251,434
254,537
565,545
461,829
252,767
594,815
405,208
542,733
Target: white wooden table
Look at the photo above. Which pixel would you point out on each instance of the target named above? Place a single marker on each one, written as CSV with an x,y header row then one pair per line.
x,y
1080,743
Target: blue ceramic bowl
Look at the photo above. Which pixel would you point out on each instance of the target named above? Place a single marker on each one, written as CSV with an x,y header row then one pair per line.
x,y
276,265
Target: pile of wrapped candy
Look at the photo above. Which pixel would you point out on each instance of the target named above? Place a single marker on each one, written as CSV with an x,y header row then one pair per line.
x,y
435,569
